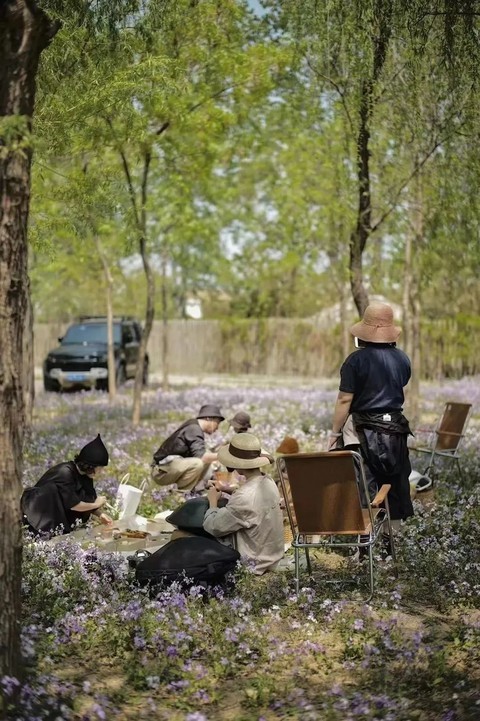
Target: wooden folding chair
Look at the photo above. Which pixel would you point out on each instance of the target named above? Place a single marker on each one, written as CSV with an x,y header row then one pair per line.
x,y
322,497
445,440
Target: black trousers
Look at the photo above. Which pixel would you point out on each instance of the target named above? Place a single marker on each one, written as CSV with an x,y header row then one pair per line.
x,y
386,461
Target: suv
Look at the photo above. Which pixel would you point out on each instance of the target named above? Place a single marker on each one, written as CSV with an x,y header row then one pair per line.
x,y
81,358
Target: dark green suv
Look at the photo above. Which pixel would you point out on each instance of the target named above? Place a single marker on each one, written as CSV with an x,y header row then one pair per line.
x,y
81,358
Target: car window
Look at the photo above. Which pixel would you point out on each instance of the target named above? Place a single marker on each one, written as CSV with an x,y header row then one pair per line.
x,y
127,334
90,333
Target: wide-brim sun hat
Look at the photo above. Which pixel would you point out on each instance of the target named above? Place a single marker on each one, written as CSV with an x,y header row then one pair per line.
x,y
376,325
244,452
210,411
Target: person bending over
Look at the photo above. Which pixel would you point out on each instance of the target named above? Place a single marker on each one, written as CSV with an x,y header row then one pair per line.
x,y
65,496
183,457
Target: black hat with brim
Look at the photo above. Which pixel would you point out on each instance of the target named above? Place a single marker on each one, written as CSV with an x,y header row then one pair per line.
x,y
210,411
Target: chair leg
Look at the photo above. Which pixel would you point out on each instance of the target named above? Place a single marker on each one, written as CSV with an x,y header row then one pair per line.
x,y
392,545
370,571
430,467
297,570
309,565
460,470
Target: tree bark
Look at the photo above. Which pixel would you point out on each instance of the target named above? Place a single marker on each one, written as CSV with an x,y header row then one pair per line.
x,y
25,30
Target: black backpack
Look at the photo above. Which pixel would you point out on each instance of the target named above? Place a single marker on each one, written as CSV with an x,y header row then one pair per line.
x,y
192,559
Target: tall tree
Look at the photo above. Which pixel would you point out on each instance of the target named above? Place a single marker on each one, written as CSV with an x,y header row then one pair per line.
x,y
25,31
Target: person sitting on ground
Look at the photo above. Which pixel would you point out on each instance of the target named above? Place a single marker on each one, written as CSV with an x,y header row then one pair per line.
x,y
240,422
252,520
65,496
183,457
288,446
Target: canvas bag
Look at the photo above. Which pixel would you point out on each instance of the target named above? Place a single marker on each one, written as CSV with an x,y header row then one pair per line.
x,y
128,497
201,560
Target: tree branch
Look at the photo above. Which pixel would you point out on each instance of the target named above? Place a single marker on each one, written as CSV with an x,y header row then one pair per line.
x,y
146,167
337,87
128,176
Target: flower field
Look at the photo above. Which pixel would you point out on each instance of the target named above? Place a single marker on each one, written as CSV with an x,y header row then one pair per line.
x,y
98,647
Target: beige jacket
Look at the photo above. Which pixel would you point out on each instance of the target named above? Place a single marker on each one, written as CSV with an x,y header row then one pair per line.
x,y
254,518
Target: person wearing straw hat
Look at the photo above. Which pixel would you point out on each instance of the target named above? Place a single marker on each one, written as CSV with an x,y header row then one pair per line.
x,y
183,457
65,495
241,422
251,520
370,403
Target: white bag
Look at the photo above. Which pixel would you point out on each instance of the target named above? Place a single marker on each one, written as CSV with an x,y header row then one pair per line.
x,y
128,497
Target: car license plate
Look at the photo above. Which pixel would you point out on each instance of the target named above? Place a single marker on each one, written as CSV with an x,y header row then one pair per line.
x,y
77,377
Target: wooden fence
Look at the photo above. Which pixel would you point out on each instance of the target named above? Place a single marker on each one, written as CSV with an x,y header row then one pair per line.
x,y
277,346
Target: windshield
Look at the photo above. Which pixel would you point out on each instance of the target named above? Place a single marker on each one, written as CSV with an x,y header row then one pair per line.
x,y
90,333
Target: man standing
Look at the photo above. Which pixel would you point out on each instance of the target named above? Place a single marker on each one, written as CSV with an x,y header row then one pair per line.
x,y
372,382
183,458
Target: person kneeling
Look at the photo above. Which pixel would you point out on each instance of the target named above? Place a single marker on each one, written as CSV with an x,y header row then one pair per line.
x,y
65,496
252,517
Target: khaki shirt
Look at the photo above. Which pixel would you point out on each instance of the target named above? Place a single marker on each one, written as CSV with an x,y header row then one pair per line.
x,y
254,518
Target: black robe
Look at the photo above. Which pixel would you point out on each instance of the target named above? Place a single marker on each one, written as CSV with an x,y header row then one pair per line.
x,y
47,505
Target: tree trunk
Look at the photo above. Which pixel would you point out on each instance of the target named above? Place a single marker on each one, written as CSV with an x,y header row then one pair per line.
x,y
361,233
112,383
164,322
25,31
415,303
149,316
150,304
28,363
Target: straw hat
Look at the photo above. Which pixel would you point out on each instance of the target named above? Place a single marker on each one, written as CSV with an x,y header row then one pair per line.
x,y
376,325
243,451
288,446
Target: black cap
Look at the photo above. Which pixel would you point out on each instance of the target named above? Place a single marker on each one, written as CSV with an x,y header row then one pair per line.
x,y
210,411
94,453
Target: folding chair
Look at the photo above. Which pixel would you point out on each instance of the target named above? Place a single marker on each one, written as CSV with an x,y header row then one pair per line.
x,y
322,497
445,440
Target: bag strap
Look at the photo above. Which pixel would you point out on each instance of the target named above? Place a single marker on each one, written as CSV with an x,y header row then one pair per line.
x,y
125,479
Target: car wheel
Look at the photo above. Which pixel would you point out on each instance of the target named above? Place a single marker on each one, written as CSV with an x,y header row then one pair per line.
x,y
121,375
145,374
50,384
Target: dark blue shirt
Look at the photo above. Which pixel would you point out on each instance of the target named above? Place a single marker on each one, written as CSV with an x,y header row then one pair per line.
x,y
376,375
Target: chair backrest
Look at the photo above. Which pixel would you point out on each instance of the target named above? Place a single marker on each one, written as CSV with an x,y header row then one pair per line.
x,y
452,426
321,492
